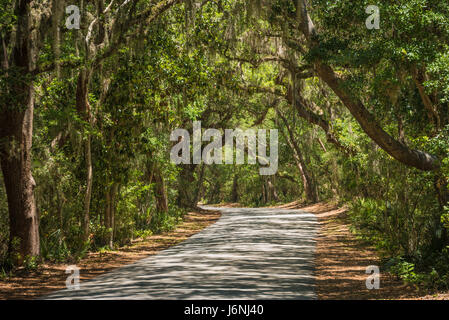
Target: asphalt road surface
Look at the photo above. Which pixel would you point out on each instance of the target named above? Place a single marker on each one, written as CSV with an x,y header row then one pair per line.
x,y
248,253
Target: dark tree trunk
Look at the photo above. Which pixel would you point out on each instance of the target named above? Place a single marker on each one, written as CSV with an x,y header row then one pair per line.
x,y
16,127
114,194
107,213
16,131
235,193
83,108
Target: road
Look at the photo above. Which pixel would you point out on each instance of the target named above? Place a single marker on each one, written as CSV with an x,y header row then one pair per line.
x,y
248,253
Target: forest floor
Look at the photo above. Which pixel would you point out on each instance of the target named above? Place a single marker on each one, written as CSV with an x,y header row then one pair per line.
x,y
341,261
50,277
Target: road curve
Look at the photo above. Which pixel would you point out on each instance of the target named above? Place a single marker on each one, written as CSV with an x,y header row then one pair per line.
x,y
248,253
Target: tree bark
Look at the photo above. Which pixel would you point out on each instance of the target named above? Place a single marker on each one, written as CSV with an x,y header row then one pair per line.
x,y
272,188
57,13
235,193
16,131
88,193
186,181
160,191
83,108
308,183
114,193
401,152
109,213
418,77
199,185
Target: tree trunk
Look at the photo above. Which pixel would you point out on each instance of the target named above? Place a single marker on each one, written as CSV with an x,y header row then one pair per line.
x,y
88,193
16,128
302,107
83,108
160,191
16,131
264,190
114,192
308,183
199,186
186,180
441,187
272,188
57,13
107,214
61,201
235,193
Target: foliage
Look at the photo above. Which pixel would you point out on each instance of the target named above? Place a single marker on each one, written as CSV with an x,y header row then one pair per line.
x,y
238,64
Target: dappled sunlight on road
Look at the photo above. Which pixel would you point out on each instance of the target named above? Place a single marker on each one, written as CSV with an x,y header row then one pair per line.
x,y
247,254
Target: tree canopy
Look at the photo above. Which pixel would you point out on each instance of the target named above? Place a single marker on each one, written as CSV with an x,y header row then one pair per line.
x,y
86,117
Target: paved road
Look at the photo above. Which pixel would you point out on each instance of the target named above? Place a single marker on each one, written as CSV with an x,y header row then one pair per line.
x,y
247,254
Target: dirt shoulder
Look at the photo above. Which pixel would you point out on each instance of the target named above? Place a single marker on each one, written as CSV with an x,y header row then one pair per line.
x,y
341,261
51,277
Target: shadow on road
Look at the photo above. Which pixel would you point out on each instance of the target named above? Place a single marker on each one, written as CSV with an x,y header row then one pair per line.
x,y
248,254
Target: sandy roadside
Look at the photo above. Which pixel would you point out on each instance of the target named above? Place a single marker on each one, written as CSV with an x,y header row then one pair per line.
x,y
342,259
